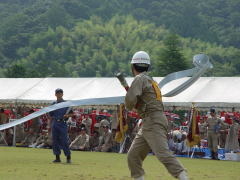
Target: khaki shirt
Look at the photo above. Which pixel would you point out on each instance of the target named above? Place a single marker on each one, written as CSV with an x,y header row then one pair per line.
x,y
106,139
145,98
212,122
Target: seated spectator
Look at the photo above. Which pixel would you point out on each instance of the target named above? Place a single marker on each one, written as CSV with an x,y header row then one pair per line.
x,y
96,127
171,143
81,142
20,133
87,121
94,141
29,139
105,144
40,140
72,134
35,122
103,122
184,147
47,141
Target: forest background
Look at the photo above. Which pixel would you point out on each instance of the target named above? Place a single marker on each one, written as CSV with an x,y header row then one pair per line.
x,y
97,38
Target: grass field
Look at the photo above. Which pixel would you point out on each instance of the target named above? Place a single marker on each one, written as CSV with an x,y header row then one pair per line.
x,y
31,164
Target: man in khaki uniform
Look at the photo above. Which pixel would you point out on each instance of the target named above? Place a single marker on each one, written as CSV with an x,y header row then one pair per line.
x,y
103,122
145,96
213,124
81,142
94,141
232,143
105,144
223,133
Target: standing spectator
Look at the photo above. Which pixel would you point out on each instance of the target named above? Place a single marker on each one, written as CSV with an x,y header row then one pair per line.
x,y
223,133
144,95
232,137
213,124
81,142
59,129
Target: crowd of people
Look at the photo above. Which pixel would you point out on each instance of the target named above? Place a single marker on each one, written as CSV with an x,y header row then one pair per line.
x,y
92,130
87,130
216,130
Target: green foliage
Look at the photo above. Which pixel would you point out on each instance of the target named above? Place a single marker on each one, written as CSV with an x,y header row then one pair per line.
x,y
170,57
16,71
72,38
92,48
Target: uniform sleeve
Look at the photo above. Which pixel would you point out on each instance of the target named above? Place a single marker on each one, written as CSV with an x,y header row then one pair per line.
x,y
133,92
51,113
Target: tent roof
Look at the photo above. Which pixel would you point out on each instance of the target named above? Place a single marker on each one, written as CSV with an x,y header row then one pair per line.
x,y
207,91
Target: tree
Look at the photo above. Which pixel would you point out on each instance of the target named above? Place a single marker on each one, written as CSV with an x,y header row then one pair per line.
x,y
170,58
16,71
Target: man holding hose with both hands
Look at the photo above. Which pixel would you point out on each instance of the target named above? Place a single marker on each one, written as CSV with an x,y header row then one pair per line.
x,y
144,95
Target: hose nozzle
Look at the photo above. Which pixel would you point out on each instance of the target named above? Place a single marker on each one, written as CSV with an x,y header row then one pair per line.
x,y
122,80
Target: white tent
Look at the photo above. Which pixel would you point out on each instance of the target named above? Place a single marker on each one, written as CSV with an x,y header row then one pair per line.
x,y
220,92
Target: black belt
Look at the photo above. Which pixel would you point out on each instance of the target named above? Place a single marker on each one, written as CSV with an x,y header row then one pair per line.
x,y
60,120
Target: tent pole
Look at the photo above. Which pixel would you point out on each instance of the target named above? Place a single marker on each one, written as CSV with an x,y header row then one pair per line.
x,y
14,128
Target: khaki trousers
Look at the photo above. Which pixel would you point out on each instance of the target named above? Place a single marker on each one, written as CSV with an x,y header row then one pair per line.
x,y
212,141
156,140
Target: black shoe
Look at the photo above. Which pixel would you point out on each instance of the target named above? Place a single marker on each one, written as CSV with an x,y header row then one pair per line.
x,y
57,160
212,155
69,159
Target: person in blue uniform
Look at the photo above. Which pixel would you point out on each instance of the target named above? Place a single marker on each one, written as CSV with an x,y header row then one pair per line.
x,y
59,129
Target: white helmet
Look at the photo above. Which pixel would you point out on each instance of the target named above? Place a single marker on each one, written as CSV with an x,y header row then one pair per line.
x,y
140,57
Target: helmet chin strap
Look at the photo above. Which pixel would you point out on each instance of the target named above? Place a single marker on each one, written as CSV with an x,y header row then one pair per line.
x,y
202,64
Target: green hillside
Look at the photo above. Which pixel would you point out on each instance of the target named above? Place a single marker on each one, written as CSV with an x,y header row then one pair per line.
x,y
72,38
